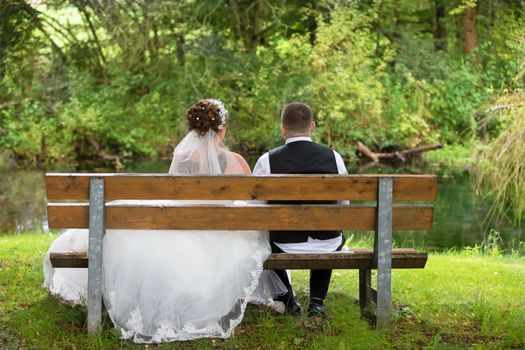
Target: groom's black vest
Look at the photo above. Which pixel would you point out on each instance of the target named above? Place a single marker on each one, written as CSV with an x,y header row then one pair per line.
x,y
302,157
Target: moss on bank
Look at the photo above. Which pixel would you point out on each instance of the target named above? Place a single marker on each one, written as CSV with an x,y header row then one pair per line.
x,y
461,299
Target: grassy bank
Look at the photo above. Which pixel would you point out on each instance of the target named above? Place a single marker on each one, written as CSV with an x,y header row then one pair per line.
x,y
460,300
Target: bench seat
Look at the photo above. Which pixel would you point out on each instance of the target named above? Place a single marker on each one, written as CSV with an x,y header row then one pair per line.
x,y
402,258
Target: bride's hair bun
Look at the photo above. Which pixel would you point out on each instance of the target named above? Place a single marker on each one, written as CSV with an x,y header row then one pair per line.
x,y
205,115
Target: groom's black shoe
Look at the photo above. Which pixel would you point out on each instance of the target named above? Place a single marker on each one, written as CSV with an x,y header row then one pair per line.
x,y
292,307
316,309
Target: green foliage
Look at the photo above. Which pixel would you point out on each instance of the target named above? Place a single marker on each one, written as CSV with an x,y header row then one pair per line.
x,y
463,5
500,174
347,89
492,245
454,100
81,81
455,157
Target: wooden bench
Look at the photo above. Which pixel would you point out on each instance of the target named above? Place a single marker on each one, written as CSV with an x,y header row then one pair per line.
x,y
371,209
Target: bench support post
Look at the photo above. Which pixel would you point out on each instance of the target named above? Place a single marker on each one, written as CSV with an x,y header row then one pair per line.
x,y
365,288
97,229
383,251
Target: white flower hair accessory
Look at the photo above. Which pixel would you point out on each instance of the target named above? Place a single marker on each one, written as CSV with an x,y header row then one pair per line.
x,y
223,113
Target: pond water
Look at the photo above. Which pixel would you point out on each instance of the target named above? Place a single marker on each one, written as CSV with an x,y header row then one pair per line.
x,y
459,216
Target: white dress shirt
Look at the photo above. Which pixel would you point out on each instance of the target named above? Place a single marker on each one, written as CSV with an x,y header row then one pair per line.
x,y
262,167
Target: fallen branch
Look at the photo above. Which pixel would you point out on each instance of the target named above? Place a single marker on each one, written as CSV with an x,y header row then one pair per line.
x,y
503,106
103,154
8,104
489,117
401,155
57,88
367,152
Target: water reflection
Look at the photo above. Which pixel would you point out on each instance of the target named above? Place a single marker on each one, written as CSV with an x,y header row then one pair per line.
x,y
458,217
22,201
461,219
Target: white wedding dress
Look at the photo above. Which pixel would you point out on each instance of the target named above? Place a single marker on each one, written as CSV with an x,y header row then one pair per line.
x,y
162,286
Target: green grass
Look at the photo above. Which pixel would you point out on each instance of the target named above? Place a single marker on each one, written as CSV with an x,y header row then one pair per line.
x,y
466,299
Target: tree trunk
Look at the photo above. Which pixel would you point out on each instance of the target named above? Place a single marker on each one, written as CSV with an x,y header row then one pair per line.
x,y
440,32
470,30
2,64
248,22
101,59
258,14
312,23
38,23
181,55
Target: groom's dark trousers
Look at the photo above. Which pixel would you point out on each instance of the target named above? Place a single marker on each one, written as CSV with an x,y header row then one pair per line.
x,y
319,279
304,157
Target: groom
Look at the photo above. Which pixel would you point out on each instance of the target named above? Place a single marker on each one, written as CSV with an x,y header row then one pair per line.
x,y
299,155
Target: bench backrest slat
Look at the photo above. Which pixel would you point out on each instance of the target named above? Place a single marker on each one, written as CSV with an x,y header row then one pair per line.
x,y
275,187
231,217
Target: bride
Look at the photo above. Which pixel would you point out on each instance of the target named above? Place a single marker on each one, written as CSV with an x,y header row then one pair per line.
x,y
163,285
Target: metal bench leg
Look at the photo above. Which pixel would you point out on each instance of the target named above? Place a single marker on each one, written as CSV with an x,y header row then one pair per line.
x,y
383,252
365,282
97,229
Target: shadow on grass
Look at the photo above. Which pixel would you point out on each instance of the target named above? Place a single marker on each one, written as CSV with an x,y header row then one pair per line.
x,y
48,323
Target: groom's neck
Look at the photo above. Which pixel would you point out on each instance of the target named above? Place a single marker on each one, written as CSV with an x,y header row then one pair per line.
x,y
297,135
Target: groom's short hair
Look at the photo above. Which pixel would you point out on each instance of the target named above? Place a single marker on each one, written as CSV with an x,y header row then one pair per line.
x,y
296,117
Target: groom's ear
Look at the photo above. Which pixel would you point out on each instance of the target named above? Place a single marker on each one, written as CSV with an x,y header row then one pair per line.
x,y
312,127
283,131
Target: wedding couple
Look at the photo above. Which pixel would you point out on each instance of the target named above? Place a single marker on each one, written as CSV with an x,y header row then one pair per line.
x,y
179,285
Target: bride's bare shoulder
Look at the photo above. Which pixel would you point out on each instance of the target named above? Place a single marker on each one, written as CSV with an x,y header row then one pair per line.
x,y
244,165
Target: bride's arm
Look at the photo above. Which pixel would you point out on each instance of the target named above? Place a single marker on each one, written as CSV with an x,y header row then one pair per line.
x,y
242,162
